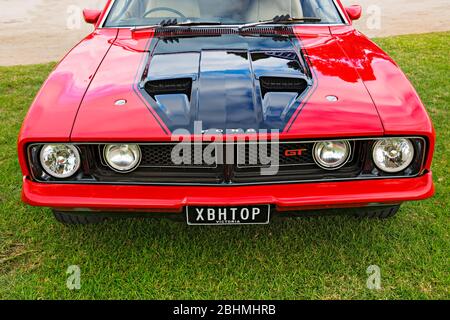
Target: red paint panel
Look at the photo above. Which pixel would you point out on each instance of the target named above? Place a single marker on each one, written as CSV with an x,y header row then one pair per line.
x,y
398,104
155,198
354,114
56,105
99,119
54,109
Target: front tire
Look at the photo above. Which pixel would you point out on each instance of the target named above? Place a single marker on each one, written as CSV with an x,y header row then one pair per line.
x,y
379,213
77,219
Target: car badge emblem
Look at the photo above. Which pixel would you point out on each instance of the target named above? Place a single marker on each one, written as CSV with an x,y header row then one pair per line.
x,y
294,152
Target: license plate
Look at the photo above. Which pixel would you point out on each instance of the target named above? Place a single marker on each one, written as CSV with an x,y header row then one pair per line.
x,y
228,215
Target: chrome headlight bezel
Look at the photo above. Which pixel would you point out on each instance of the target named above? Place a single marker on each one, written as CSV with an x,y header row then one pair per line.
x,y
407,163
73,149
136,150
339,164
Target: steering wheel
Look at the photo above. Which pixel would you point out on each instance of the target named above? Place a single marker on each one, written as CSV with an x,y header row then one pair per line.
x,y
164,9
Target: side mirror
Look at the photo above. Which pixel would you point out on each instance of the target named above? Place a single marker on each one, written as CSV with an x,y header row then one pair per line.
x,y
91,16
354,12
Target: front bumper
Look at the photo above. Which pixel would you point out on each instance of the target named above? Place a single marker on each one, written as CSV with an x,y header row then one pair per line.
x,y
284,197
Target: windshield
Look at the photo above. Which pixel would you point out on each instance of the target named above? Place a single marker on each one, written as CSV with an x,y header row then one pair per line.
x,y
129,13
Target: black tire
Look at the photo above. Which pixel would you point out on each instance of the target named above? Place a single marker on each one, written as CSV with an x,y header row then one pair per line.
x,y
379,213
77,219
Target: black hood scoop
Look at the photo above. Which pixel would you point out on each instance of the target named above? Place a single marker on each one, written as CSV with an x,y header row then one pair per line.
x,y
226,82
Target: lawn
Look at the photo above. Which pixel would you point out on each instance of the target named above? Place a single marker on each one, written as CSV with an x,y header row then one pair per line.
x,y
307,258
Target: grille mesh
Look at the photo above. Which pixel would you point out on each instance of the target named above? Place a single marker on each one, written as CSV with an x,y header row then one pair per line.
x,y
247,155
296,163
161,156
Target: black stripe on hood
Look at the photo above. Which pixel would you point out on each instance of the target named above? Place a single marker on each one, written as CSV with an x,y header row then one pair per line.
x,y
227,81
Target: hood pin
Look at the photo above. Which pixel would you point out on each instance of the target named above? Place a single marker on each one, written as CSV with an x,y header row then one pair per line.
x,y
120,102
332,98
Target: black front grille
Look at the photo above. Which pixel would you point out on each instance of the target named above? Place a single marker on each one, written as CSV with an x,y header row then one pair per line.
x,y
234,164
246,155
296,164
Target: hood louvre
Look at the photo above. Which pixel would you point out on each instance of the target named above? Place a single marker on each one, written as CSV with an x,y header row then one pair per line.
x,y
210,31
170,86
279,84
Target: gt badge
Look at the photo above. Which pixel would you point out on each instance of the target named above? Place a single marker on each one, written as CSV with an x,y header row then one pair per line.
x,y
294,152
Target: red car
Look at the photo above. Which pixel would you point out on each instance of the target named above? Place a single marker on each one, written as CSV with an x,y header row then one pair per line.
x,y
225,112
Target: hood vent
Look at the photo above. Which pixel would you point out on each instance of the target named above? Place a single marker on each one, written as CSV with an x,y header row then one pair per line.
x,y
210,31
279,84
170,86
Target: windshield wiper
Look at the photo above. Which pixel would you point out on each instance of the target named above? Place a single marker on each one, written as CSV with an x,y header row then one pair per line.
x,y
194,23
283,19
175,23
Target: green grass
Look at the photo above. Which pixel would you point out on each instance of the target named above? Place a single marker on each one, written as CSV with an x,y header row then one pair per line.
x,y
307,258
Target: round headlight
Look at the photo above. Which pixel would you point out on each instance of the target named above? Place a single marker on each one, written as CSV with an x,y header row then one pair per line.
x,y
60,160
393,155
332,155
122,157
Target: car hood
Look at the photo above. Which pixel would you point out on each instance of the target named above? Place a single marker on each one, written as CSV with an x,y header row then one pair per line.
x,y
300,83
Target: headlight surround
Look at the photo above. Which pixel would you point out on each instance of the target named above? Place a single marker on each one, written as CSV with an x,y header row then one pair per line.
x,y
393,155
122,158
332,155
60,160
